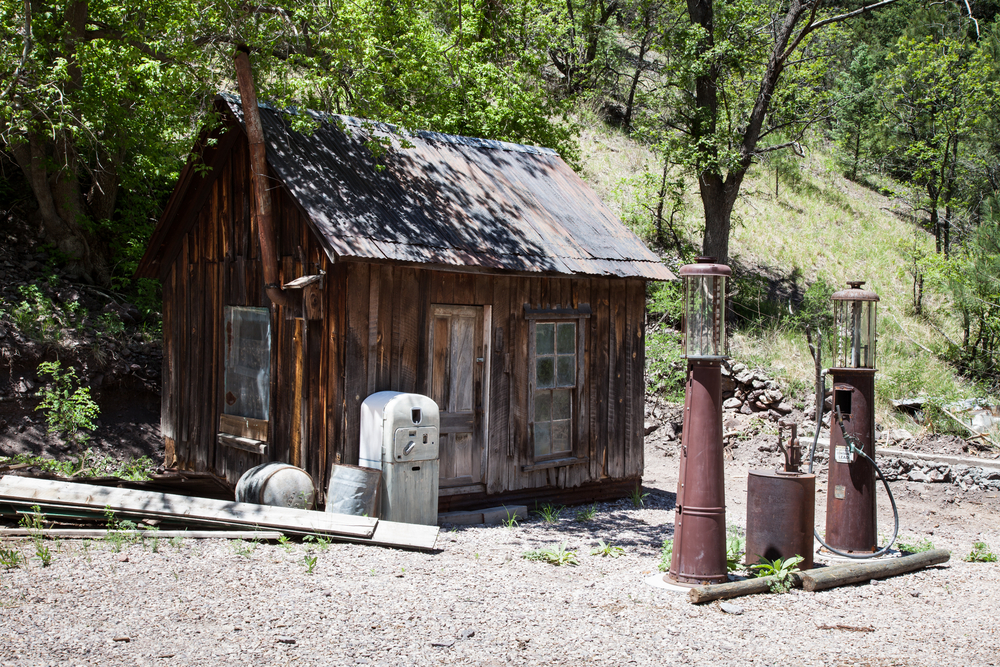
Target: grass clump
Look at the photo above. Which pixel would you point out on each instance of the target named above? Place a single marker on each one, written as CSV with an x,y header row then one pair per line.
x,y
35,524
553,555
10,559
586,513
980,554
549,512
638,497
913,545
605,549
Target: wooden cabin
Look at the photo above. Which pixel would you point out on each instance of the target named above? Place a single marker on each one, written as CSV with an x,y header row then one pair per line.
x,y
483,274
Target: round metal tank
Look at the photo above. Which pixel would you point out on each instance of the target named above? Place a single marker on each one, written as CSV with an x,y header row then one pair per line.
x,y
781,510
278,484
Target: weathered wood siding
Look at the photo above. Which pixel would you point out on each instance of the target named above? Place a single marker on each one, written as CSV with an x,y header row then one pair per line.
x,y
374,336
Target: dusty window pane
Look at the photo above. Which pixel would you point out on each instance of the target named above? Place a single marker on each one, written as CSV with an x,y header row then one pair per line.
x,y
566,371
544,338
543,440
543,406
566,338
545,375
561,404
246,389
560,436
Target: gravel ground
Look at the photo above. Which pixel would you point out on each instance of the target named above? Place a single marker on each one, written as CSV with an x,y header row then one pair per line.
x,y
478,602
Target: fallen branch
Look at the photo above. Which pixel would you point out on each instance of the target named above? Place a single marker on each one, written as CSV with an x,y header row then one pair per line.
x,y
975,434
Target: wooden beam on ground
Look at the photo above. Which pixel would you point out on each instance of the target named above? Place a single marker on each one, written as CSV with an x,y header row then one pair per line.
x,y
852,573
819,579
101,533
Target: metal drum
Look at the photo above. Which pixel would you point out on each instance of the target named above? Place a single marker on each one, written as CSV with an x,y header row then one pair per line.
x,y
780,516
278,484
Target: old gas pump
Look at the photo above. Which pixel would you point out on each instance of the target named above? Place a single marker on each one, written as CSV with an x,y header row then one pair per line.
x,y
699,554
850,506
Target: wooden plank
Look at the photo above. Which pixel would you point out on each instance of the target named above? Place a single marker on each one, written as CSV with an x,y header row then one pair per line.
x,y
149,533
196,297
580,295
333,345
555,463
403,536
243,444
149,503
519,396
600,344
243,426
406,332
634,459
168,396
296,445
618,367
464,288
355,357
374,294
316,407
384,339
499,431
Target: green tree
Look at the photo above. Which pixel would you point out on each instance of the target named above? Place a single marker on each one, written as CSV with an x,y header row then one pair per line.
x,y
745,79
937,97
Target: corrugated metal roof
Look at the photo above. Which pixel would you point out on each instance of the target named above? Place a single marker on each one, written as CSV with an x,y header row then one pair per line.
x,y
449,200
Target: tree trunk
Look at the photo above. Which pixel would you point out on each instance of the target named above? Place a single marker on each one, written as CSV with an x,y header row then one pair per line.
x,y
60,206
718,198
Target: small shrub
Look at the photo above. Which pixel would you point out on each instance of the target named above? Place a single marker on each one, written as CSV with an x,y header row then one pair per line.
x,y
120,532
68,409
980,554
554,555
637,497
585,514
914,545
549,512
10,559
604,549
310,563
666,367
111,323
666,554
780,570
37,316
735,548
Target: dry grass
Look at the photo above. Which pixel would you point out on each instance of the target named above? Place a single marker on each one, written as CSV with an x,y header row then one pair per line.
x,y
819,226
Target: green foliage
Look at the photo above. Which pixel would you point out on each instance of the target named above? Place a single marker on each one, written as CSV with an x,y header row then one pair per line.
x,y
309,561
780,570
244,548
111,323
37,316
120,531
665,364
10,559
34,523
553,555
638,497
666,555
607,550
585,513
549,512
68,409
736,543
980,554
913,545
151,534
511,521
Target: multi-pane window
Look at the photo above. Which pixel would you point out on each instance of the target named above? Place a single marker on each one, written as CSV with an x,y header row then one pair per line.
x,y
555,381
247,382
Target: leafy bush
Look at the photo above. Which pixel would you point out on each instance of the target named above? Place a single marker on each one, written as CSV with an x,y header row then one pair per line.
x,y
781,569
37,316
665,365
553,555
980,554
666,554
68,409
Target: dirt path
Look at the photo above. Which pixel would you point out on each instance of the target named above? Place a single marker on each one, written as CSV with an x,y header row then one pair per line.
x,y
478,602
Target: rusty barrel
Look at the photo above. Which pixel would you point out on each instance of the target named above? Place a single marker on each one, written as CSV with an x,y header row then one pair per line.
x,y
781,509
277,484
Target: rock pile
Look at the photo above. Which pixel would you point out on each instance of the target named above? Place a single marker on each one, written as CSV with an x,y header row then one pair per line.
x,y
752,392
966,477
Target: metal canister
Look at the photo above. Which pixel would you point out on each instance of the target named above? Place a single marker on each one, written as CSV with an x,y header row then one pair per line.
x,y
278,484
780,516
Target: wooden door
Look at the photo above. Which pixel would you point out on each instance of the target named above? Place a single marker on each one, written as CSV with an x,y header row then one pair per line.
x,y
457,366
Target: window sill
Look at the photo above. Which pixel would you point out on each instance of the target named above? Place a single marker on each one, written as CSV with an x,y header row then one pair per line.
x,y
241,443
555,463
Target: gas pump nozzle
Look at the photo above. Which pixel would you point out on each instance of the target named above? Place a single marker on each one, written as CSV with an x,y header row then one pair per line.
x,y
793,453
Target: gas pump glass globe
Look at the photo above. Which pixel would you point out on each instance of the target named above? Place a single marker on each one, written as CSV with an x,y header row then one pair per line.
x,y
854,317
705,308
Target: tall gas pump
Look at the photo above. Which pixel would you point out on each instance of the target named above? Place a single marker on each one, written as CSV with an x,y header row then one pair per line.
x,y
851,527
699,554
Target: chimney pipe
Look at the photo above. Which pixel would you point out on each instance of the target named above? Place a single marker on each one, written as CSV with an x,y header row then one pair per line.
x,y
258,177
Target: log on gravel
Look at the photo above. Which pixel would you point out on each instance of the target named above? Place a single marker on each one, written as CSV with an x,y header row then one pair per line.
x,y
852,573
822,578
735,589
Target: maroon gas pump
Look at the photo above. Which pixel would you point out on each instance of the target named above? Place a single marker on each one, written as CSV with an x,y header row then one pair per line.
x,y
699,554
